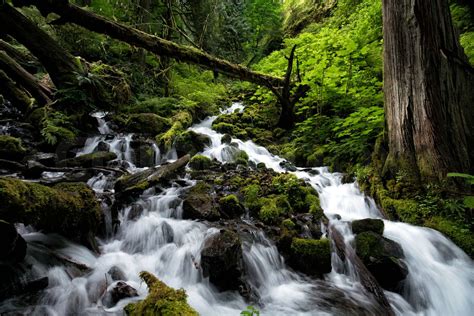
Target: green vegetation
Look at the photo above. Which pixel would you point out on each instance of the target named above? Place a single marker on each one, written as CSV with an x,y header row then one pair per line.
x,y
162,300
11,148
200,162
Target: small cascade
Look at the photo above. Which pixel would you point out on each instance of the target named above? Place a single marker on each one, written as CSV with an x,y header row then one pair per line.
x,y
153,237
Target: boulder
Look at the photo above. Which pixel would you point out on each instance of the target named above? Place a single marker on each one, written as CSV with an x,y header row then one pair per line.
x,y
11,148
116,274
118,292
230,206
161,300
70,209
190,142
200,162
12,245
102,146
368,225
383,258
199,203
226,139
97,159
288,166
311,256
222,261
147,123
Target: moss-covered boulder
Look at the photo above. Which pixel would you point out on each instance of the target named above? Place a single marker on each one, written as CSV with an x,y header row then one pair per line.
x,y
222,260
274,208
97,159
12,245
230,206
70,209
162,300
383,257
200,162
368,225
226,139
11,148
199,203
311,256
190,142
147,123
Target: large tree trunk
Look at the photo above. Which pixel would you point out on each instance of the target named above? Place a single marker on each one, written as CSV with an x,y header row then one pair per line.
x,y
22,77
61,66
71,13
429,91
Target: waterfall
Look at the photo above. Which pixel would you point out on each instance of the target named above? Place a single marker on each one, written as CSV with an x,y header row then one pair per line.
x,y
153,237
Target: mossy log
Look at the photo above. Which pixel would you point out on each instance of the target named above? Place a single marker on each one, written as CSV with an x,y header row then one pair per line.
x,y
22,77
70,13
13,93
70,209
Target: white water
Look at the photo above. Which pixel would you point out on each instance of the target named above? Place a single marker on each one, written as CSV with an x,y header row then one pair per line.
x,y
441,280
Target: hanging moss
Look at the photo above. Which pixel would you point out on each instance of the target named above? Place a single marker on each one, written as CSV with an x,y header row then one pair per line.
x,y
162,300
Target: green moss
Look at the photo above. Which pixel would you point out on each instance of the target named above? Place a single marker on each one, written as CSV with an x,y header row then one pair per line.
x,y
368,245
224,128
11,148
162,300
288,223
99,158
200,162
147,123
182,120
368,224
312,256
70,209
311,246
272,208
251,197
230,205
463,237
189,142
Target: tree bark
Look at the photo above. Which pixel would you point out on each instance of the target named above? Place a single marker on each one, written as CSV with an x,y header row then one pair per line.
x,y
429,91
22,77
61,66
71,13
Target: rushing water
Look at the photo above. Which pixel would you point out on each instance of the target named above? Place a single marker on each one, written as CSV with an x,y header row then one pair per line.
x,y
440,282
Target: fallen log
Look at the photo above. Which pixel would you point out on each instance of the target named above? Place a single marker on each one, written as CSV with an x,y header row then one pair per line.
x,y
13,93
367,280
22,77
70,13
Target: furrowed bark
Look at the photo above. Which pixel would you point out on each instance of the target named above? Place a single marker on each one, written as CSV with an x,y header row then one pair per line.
x,y
16,72
71,13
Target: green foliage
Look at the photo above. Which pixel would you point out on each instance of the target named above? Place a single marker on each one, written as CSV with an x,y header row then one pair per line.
x,y
468,200
250,311
200,162
56,126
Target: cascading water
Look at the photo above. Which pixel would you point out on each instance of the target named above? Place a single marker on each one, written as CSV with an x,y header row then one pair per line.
x,y
156,239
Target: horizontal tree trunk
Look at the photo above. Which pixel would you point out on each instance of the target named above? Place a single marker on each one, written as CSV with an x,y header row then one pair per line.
x,y
22,77
71,13
13,93
61,65
23,58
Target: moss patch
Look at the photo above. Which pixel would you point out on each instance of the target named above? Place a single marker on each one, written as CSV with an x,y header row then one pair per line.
x,y
147,123
311,256
200,162
162,300
11,148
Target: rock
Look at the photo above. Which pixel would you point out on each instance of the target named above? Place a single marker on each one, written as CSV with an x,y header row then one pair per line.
x,y
34,169
7,166
161,300
147,123
102,146
199,204
116,274
226,139
200,162
288,166
131,185
11,148
97,159
135,212
230,206
368,225
261,166
383,257
347,178
12,245
311,256
190,142
47,159
70,209
119,291
222,261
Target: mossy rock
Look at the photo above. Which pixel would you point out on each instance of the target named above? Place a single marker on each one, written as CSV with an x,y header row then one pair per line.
x,y
311,256
226,139
147,123
162,300
273,208
11,148
199,203
200,162
368,225
97,159
190,142
230,206
383,257
224,128
70,209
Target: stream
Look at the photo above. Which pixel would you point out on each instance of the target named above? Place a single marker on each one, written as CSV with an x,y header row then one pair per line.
x,y
440,279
